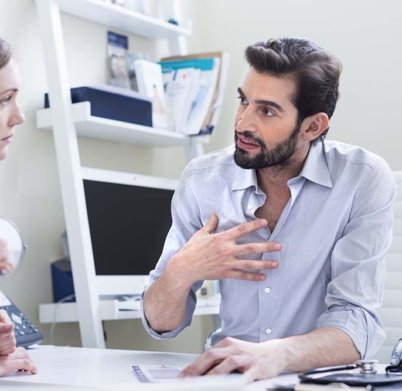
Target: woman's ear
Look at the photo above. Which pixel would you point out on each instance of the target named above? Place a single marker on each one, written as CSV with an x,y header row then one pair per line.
x,y
314,126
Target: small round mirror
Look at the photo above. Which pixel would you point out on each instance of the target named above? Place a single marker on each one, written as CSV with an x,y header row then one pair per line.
x,y
12,248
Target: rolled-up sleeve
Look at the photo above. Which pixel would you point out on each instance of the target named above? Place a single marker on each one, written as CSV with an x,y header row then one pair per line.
x,y
358,264
185,222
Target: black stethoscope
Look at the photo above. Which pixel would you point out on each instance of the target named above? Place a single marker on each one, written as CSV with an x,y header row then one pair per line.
x,y
367,376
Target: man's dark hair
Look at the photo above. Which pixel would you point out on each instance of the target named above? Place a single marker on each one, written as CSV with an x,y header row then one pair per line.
x,y
5,53
315,71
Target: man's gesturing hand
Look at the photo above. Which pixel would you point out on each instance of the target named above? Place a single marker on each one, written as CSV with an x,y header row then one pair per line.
x,y
209,256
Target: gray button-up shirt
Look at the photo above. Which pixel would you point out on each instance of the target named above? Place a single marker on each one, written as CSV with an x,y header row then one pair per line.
x,y
334,231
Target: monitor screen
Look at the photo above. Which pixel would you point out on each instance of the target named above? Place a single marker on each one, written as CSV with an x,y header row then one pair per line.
x,y
129,217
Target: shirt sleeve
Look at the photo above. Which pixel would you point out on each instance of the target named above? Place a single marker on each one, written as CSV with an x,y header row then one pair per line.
x,y
358,265
185,223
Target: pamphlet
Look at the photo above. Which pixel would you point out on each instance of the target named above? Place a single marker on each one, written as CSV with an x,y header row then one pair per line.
x,y
130,59
116,50
156,373
150,84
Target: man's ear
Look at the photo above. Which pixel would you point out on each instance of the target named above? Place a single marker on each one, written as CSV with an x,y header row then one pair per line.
x,y
314,125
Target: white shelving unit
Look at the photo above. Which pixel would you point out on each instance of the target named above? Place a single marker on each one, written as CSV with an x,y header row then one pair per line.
x,y
123,19
106,129
67,121
109,310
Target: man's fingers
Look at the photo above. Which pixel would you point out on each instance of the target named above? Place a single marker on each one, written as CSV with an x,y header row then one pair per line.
x,y
245,228
257,248
249,264
243,267
250,375
205,362
212,223
231,364
244,275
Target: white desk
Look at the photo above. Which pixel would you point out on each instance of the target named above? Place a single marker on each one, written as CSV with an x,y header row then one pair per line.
x,y
83,368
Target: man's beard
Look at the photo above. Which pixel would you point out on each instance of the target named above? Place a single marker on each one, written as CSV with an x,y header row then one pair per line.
x,y
278,156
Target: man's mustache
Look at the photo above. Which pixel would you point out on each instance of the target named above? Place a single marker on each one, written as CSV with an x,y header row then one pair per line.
x,y
251,136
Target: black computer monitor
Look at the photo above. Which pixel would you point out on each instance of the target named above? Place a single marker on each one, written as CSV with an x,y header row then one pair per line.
x,y
129,217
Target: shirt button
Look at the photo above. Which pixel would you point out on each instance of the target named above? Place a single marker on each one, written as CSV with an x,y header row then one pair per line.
x,y
267,289
250,207
268,330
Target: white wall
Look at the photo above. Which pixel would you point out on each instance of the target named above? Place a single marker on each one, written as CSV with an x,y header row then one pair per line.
x,y
364,34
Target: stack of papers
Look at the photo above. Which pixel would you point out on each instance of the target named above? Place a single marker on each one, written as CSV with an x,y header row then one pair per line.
x,y
194,87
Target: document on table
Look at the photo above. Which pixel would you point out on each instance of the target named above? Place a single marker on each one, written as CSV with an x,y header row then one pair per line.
x,y
156,373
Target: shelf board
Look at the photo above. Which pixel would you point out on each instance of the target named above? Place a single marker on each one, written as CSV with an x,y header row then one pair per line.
x,y
68,312
121,18
107,129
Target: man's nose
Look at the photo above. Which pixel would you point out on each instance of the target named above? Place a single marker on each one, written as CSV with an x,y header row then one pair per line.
x,y
245,121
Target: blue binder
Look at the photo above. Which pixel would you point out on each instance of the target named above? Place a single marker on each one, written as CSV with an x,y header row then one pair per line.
x,y
113,103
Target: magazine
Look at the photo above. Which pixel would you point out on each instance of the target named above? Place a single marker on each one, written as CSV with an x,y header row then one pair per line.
x,y
130,58
116,50
150,84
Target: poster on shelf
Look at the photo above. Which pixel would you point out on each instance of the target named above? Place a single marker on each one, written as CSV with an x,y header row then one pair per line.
x,y
117,46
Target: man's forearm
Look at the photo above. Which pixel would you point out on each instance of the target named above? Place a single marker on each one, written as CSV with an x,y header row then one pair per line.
x,y
165,302
323,347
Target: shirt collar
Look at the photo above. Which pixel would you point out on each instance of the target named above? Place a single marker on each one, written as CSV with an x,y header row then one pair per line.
x,y
315,169
244,178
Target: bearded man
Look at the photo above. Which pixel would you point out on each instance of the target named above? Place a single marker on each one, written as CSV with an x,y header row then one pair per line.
x,y
295,228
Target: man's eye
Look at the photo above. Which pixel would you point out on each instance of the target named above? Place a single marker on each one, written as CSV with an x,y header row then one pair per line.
x,y
6,100
242,100
268,112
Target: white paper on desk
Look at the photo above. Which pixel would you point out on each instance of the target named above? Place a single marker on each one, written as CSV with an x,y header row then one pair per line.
x,y
168,375
156,373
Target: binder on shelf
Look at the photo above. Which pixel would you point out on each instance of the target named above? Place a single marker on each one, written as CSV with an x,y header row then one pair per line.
x,y
113,103
207,83
213,111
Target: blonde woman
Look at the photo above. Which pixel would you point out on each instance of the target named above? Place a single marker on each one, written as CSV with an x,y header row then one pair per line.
x,y
11,357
